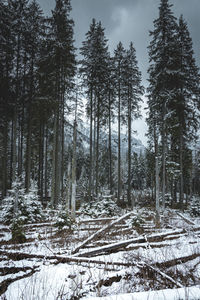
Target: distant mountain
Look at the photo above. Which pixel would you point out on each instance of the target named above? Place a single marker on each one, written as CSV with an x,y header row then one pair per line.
x,y
84,137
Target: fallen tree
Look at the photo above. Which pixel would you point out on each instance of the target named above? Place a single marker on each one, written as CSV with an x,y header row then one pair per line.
x,y
143,239
101,231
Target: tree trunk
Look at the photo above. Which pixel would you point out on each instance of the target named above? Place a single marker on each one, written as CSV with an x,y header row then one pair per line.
x,y
181,170
53,181
41,161
57,161
5,159
157,193
119,144
110,148
156,177
73,199
97,150
46,164
68,192
129,151
28,152
163,156
62,148
14,148
91,145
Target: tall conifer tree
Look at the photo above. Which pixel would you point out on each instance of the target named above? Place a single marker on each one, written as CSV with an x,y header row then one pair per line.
x,y
162,57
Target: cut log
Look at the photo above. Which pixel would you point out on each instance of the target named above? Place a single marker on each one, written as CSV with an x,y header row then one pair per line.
x,y
177,261
186,219
97,220
101,231
63,259
151,238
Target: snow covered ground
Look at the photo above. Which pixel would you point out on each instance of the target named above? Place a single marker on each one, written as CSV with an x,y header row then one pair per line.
x,y
167,268
191,293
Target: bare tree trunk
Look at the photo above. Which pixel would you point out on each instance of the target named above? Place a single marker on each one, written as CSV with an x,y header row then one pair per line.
x,y
68,192
57,161
14,143
129,152
46,164
41,161
28,152
94,149
163,157
181,171
62,148
157,194
53,181
157,177
5,159
110,148
119,144
97,151
29,131
91,145
73,199
11,155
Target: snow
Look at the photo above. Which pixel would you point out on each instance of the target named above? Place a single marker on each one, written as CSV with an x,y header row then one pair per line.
x,y
187,293
81,277
53,280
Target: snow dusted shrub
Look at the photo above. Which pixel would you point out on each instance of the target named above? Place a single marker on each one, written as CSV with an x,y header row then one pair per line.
x,y
137,222
18,234
63,221
20,205
103,207
195,207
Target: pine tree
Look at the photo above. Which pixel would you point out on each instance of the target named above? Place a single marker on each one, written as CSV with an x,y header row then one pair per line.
x,y
87,70
184,106
6,101
18,20
94,68
34,34
60,67
119,60
131,107
163,68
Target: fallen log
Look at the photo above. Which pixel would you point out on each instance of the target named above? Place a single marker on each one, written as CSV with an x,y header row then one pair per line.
x,y
162,274
151,238
109,281
100,232
177,261
186,219
63,259
96,220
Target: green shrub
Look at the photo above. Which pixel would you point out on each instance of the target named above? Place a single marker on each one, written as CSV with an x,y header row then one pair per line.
x,y
19,204
63,221
137,223
194,209
17,230
101,208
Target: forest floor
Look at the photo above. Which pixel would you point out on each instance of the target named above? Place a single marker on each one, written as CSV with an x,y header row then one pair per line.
x,y
101,257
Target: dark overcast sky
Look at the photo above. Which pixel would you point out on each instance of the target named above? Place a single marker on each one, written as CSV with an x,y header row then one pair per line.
x,y
129,20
